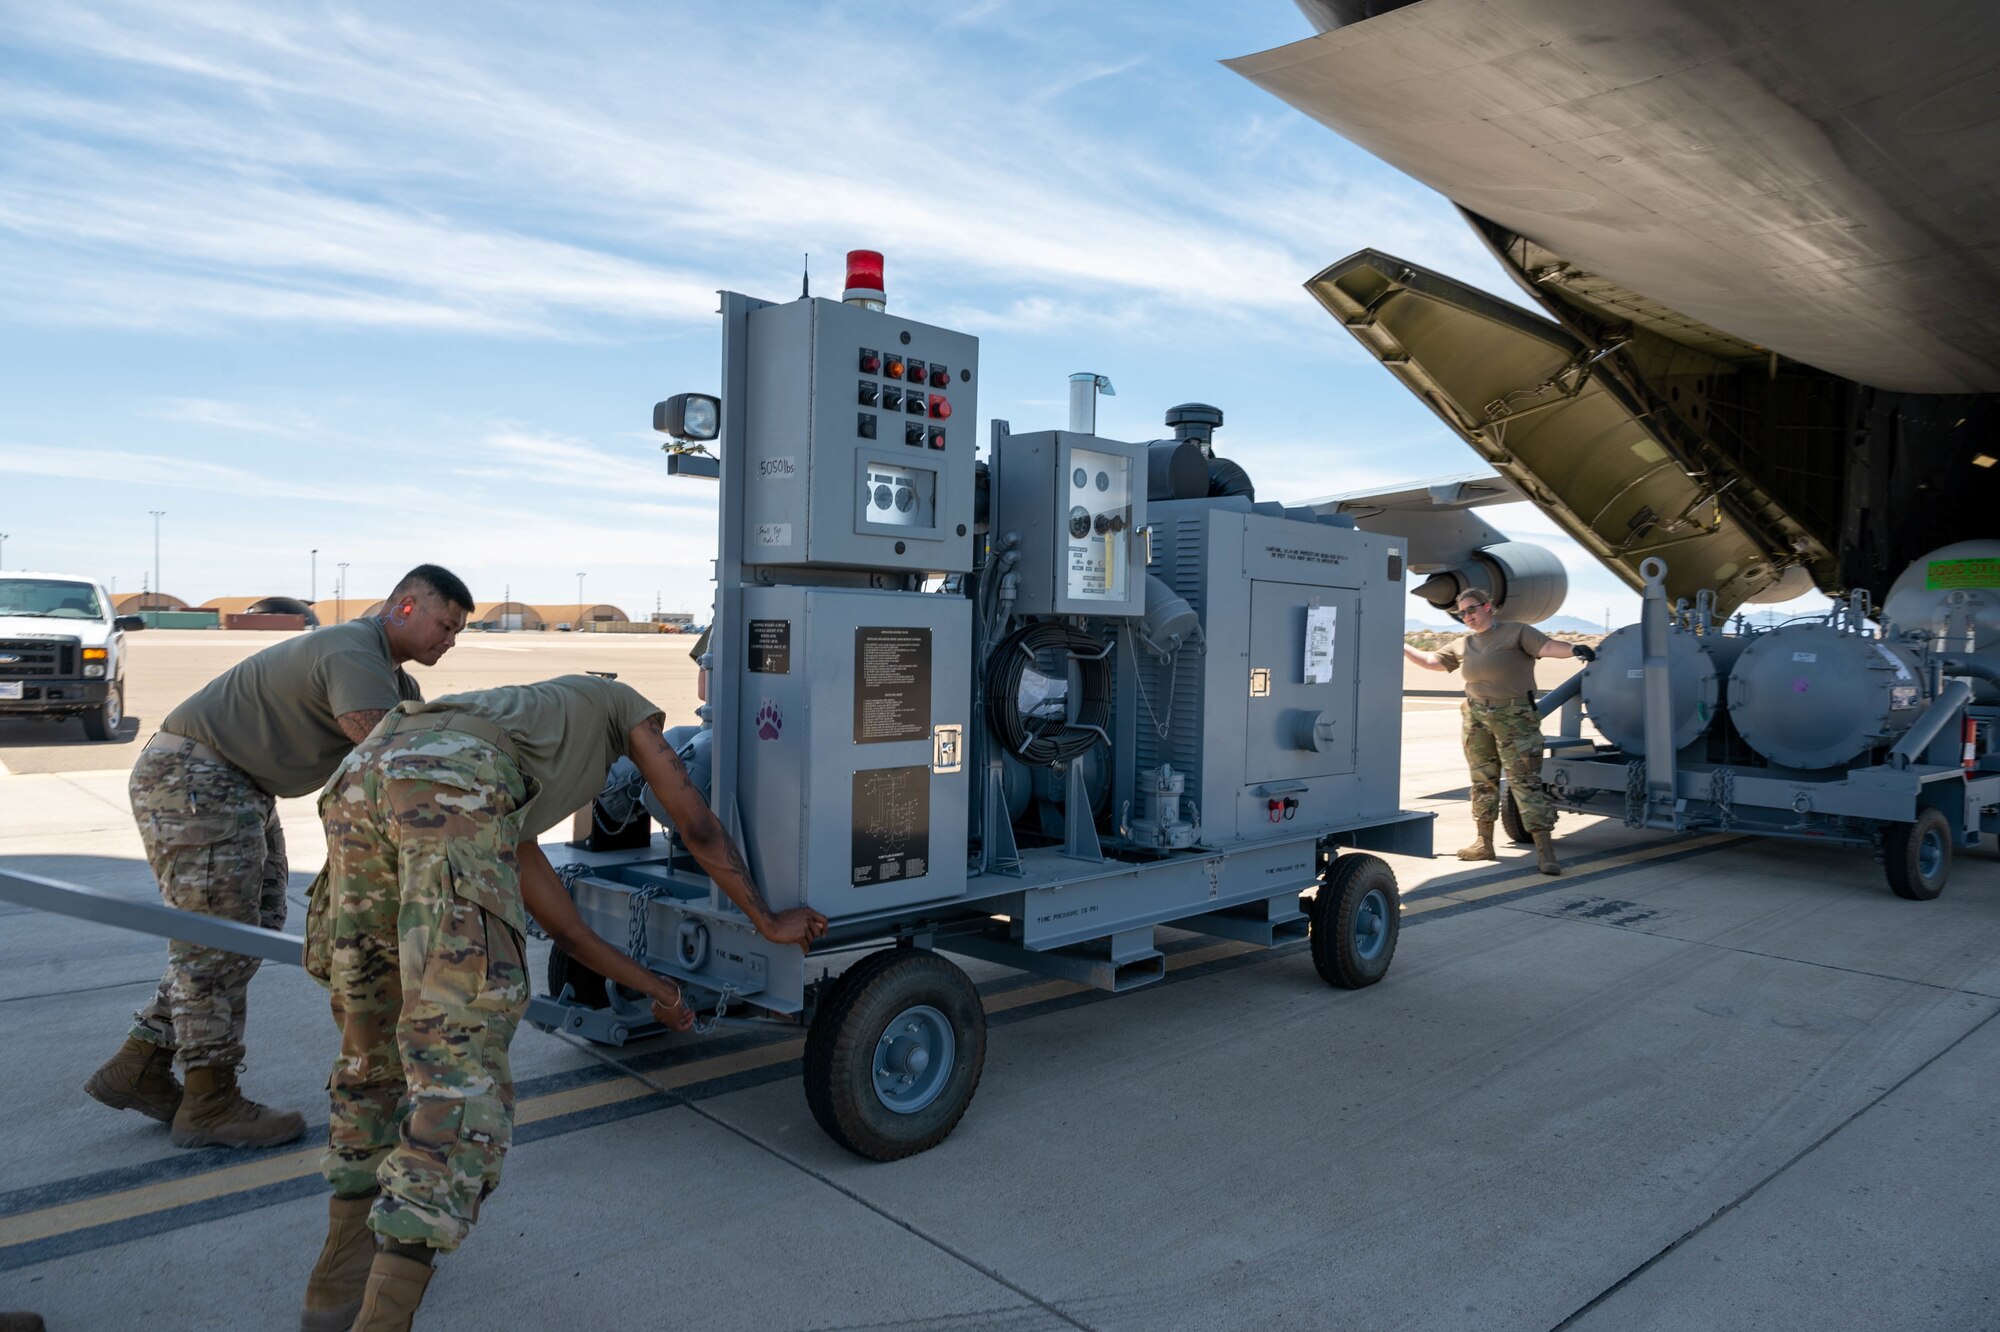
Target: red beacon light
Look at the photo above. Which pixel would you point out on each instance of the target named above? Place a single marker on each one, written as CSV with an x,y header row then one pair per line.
x,y
864,280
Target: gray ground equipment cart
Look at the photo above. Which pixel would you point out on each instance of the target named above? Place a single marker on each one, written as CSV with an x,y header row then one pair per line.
x,y
1835,729
1023,708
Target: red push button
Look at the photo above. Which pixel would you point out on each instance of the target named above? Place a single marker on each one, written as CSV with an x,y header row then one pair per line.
x,y
940,408
871,361
939,376
937,437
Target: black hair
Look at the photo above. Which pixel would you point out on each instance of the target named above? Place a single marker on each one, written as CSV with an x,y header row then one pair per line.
x,y
437,580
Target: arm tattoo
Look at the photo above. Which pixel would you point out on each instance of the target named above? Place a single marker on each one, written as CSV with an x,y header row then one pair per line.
x,y
356,725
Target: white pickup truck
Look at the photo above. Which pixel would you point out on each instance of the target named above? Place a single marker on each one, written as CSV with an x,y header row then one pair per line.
x,y
62,651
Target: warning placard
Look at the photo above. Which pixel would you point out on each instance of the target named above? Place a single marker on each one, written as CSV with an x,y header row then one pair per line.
x,y
1947,575
771,647
892,685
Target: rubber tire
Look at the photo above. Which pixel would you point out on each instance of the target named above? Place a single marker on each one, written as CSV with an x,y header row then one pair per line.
x,y
840,1052
585,985
103,722
1334,909
1510,819
1901,845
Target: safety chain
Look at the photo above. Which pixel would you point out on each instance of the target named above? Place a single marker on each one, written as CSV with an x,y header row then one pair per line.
x,y
704,1027
1722,790
1635,794
635,934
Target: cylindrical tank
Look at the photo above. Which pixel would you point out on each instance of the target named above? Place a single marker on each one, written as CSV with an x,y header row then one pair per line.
x,y
1953,594
1812,696
1614,688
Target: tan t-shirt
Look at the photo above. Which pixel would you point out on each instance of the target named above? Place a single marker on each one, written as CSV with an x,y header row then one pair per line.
x,y
274,715
567,732
1499,664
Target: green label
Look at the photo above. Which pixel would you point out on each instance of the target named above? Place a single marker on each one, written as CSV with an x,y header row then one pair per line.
x,y
1943,575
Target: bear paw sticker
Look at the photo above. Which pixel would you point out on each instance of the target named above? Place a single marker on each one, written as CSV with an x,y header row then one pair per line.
x,y
769,721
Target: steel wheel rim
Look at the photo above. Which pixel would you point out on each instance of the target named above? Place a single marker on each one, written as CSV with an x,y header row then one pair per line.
x,y
1371,926
114,710
914,1057
1930,854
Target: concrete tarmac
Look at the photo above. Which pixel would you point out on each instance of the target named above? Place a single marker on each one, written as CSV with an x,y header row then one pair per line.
x,y
1701,1082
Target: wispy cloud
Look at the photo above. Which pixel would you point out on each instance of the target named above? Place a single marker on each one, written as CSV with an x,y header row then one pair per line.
x,y
333,166
119,467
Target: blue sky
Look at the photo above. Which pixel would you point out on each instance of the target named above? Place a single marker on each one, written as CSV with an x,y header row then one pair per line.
x,y
402,282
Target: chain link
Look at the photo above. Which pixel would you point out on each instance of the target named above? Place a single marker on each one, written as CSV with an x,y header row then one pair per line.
x,y
1635,794
703,1027
635,933
1722,790
636,942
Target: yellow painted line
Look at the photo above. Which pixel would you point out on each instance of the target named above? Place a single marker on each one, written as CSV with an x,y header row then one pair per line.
x,y
150,1198
156,1197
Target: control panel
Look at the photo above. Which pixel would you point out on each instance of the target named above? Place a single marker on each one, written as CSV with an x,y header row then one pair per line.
x,y
1079,504
859,429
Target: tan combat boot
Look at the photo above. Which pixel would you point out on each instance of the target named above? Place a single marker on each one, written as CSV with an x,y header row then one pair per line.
x,y
333,1291
395,1289
1482,846
1545,853
139,1077
215,1114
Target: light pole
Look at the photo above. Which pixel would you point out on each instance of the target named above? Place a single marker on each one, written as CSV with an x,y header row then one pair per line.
x,y
157,514
315,575
579,603
340,596
3,548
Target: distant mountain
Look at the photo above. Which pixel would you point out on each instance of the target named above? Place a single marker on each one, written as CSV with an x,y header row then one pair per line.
x,y
1421,627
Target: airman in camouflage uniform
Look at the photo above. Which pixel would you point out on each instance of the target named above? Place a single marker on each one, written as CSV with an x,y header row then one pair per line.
x,y
417,935
416,931
1498,724
1506,736
204,795
215,844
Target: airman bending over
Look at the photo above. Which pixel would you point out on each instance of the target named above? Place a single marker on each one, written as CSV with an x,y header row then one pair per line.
x,y
416,931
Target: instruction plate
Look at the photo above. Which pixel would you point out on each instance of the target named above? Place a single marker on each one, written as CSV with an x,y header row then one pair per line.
x,y
892,684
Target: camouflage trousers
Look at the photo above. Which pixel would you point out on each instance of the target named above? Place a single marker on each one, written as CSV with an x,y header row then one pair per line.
x,y
416,931
1506,736
215,845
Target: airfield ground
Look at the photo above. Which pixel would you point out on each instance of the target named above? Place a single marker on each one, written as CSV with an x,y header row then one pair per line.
x,y
1705,1082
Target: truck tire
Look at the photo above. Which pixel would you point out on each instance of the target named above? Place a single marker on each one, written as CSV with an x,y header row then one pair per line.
x,y
1356,918
102,722
895,1053
1917,856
